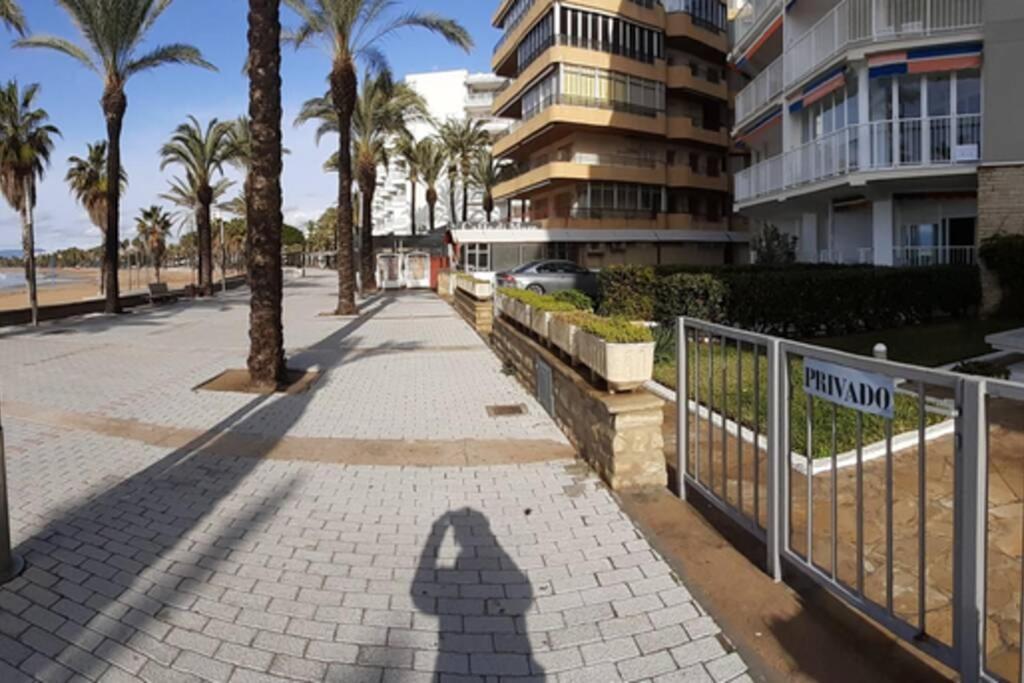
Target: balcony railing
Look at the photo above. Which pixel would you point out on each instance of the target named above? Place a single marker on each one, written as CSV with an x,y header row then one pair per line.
x,y
709,14
522,9
935,256
581,101
750,14
875,146
853,22
767,87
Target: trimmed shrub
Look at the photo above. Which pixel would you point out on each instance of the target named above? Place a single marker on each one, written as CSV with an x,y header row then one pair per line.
x,y
802,301
616,330
576,298
1004,255
541,302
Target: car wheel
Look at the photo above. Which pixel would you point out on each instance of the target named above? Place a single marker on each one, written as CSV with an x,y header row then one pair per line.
x,y
536,289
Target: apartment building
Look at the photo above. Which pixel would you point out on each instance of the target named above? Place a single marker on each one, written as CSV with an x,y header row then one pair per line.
x,y
881,131
456,94
620,137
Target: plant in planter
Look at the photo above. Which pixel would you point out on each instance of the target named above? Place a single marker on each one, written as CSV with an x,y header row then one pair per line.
x,y
617,350
479,289
562,330
514,307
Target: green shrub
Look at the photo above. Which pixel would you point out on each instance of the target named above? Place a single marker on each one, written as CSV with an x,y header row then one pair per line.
x,y
802,300
616,330
1004,255
983,369
576,298
541,302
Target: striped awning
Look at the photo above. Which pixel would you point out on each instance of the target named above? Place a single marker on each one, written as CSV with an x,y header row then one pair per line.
x,y
818,88
760,125
759,43
923,60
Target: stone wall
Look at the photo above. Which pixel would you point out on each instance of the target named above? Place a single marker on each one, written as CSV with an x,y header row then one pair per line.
x,y
1000,209
619,435
478,313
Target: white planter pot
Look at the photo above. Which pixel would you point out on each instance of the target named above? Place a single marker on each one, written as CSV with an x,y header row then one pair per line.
x,y
476,288
562,334
540,322
623,366
519,312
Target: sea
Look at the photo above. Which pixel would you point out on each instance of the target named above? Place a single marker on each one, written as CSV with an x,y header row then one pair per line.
x,y
15,279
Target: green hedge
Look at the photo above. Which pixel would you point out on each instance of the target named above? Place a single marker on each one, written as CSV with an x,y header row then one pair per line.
x,y
1004,255
804,301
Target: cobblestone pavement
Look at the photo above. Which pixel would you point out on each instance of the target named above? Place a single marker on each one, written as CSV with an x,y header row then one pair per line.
x,y
156,563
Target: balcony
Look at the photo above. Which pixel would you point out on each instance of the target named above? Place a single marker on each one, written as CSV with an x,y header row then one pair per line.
x,y
862,22
581,166
685,128
935,143
759,93
752,15
698,78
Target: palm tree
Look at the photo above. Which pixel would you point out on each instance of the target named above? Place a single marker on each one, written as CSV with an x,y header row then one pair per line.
x,y
12,17
113,33
263,198
465,141
451,143
412,153
87,178
202,154
353,30
485,174
154,225
432,161
26,142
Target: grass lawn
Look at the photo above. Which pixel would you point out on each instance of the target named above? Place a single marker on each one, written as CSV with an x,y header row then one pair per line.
x,y
930,345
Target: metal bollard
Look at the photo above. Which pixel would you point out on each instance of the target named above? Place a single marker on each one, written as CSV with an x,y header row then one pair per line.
x,y
881,351
11,565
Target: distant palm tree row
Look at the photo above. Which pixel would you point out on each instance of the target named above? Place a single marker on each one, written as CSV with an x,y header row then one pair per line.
x,y
367,126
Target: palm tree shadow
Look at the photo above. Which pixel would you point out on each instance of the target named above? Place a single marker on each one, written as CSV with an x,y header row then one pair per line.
x,y
480,601
118,545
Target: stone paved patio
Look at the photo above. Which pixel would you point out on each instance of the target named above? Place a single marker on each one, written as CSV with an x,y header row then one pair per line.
x,y
175,535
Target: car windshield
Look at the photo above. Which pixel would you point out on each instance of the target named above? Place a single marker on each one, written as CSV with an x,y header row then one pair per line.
x,y
526,267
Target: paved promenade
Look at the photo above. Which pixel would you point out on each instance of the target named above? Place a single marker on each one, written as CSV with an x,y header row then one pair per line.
x,y
381,527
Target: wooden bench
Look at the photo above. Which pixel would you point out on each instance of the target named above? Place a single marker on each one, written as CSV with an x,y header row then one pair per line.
x,y
159,292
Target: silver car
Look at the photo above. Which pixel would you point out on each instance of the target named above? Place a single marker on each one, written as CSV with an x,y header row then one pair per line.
x,y
549,276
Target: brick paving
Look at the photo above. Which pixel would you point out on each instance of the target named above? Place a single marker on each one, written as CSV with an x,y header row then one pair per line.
x,y
165,563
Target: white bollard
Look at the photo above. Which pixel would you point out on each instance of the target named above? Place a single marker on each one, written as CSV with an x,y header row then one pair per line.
x,y
881,351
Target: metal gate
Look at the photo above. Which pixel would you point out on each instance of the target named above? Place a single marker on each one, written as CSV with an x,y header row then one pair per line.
x,y
869,477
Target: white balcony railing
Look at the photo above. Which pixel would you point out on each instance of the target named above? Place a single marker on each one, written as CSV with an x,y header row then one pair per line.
x,y
749,16
767,87
935,256
876,146
853,22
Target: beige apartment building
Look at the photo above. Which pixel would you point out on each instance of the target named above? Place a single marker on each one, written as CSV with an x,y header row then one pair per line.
x,y
618,150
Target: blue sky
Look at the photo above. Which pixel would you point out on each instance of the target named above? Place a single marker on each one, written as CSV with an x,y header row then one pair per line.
x,y
159,100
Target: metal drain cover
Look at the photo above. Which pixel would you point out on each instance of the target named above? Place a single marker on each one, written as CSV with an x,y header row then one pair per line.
x,y
506,411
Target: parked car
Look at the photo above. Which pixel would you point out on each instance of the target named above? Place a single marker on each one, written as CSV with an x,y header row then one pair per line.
x,y
549,276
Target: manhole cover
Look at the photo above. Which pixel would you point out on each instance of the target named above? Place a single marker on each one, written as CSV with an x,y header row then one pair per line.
x,y
506,411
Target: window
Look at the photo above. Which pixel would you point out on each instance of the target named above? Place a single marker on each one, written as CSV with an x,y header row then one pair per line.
x,y
968,92
910,96
881,99
939,92
478,258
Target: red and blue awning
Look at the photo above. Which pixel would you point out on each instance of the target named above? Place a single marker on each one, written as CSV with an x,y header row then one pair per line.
x,y
818,88
774,28
924,60
760,125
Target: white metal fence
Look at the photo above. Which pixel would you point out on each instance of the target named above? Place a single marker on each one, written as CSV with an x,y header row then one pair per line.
x,y
765,88
749,15
892,513
874,146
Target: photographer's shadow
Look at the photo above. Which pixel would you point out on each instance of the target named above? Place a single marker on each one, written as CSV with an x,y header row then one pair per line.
x,y
480,600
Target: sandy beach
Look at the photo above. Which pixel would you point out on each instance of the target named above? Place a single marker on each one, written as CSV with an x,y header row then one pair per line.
x,y
78,284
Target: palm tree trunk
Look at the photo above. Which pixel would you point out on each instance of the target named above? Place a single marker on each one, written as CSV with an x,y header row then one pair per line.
x,y
367,188
115,103
343,94
465,198
430,211
452,182
28,240
263,196
412,215
205,246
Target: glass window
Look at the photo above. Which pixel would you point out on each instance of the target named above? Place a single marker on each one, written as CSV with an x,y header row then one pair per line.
x,y
881,99
910,97
852,113
968,91
939,95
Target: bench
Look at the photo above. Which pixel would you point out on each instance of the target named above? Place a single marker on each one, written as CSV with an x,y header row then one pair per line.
x,y
159,292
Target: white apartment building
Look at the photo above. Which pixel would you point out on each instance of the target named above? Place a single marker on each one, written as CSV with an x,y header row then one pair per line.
x,y
449,94
881,131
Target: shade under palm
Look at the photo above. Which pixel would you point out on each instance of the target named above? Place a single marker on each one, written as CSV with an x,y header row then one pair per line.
x,y
26,143
113,34
201,153
353,30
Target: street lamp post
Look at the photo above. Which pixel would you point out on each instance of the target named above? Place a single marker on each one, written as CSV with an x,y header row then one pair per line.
x,y
11,565
223,258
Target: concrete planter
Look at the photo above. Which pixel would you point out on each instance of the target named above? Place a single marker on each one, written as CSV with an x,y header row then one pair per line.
x,y
562,334
519,312
478,289
624,366
540,322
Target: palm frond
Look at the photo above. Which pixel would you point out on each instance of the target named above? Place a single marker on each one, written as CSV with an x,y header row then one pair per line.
x,y
177,53
60,45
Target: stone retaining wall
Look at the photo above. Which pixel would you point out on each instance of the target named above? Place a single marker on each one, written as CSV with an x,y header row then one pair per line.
x,y
478,313
1000,210
619,435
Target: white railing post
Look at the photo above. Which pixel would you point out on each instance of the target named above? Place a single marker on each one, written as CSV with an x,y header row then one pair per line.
x,y
777,415
682,407
970,475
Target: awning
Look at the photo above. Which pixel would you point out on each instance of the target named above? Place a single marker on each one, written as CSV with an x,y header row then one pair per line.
x,y
542,236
